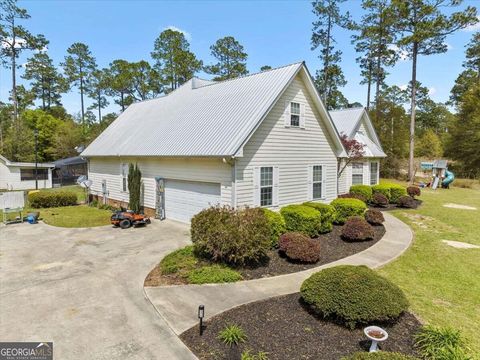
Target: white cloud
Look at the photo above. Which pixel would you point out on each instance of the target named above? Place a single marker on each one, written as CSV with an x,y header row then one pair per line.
x,y
449,46
432,91
188,36
474,27
402,54
403,87
19,42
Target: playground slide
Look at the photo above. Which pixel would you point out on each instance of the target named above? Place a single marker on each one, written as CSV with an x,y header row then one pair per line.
x,y
449,177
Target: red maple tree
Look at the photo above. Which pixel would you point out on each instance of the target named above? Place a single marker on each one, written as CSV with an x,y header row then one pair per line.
x,y
355,151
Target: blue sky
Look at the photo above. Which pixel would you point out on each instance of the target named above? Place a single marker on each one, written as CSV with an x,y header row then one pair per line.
x,y
273,33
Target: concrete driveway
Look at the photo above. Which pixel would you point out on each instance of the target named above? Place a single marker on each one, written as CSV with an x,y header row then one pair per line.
x,y
83,290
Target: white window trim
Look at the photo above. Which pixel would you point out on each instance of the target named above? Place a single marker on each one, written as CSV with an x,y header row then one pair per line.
x,y
310,182
362,173
122,176
288,115
257,186
377,175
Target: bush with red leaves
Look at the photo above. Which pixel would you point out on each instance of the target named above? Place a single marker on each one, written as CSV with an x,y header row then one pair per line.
x,y
379,200
353,196
357,229
407,202
299,247
374,217
413,191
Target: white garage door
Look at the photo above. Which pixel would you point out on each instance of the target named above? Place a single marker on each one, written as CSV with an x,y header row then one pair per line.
x,y
183,199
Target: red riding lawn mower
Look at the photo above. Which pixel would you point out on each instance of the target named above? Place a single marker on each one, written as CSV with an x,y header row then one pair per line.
x,y
126,218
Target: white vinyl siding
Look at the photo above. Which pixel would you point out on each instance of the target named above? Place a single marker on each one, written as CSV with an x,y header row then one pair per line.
x,y
373,173
10,179
293,151
357,173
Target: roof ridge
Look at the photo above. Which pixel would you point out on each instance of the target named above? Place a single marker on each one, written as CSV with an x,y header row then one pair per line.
x,y
348,109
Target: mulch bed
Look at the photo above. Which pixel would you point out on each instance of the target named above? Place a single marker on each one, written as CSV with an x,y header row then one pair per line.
x,y
285,329
390,207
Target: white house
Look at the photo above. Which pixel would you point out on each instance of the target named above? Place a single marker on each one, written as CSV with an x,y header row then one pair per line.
x,y
264,139
21,175
356,124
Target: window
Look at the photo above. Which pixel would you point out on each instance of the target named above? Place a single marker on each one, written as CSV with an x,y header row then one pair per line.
x,y
266,186
373,173
29,174
357,173
317,182
294,114
124,177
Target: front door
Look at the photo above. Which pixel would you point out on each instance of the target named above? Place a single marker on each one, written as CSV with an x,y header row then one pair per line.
x,y
160,198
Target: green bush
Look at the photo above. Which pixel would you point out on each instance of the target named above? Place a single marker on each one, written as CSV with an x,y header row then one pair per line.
x,y
213,274
363,190
353,196
232,236
180,261
301,218
383,189
276,224
232,335
396,192
327,215
380,355
47,199
353,295
435,343
346,208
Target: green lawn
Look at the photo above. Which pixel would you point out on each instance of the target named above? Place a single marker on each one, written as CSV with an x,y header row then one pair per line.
x,y
442,282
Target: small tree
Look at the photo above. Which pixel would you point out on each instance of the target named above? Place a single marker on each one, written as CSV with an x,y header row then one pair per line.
x,y
354,152
134,187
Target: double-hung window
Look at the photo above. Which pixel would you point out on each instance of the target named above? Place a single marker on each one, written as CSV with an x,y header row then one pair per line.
x,y
373,173
124,170
266,186
294,114
357,173
317,182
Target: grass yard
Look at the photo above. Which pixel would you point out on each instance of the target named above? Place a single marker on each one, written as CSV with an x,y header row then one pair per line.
x,y
442,282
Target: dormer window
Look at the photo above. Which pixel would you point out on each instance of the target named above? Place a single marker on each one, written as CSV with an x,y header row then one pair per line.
x,y
294,114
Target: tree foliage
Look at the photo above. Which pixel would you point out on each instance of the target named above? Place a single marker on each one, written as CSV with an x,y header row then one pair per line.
x,y
231,57
134,187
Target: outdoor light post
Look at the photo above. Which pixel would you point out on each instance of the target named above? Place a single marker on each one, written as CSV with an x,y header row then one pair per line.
x,y
36,158
201,314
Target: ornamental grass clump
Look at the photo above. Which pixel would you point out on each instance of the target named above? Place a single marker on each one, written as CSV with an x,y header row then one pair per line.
x,y
301,218
357,229
276,224
232,335
436,343
327,215
353,295
346,208
374,217
299,247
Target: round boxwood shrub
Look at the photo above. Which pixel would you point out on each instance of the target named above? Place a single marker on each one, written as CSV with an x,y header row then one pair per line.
x,y
379,355
380,200
224,234
383,189
276,223
396,192
301,218
346,208
364,190
353,295
357,229
327,215
299,247
353,196
407,202
413,191
47,199
374,217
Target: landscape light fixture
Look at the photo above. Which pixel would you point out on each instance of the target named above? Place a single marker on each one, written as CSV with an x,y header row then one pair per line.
x,y
201,314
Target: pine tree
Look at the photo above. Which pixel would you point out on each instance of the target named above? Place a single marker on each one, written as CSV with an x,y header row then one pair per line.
x,y
96,90
231,58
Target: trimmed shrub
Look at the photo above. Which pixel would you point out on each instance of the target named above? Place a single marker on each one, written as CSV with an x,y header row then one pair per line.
x,y
213,274
301,218
380,355
276,224
346,208
413,191
364,190
327,215
232,335
435,343
353,295
383,189
357,229
353,196
180,261
380,200
232,236
374,217
47,199
407,202
298,247
396,192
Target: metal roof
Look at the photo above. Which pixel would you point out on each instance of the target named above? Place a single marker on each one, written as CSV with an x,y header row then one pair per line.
x,y
26,164
346,120
200,118
70,161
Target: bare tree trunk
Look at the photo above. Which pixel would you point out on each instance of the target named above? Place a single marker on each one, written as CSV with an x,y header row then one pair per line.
x,y
326,62
81,99
14,83
99,107
411,170
369,87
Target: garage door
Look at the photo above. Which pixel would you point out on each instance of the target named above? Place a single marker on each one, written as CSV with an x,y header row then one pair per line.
x,y
183,199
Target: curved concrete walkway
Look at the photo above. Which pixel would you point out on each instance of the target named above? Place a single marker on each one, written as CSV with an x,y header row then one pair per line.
x,y
178,304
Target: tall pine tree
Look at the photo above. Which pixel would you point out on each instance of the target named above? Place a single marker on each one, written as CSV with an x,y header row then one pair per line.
x,y
232,59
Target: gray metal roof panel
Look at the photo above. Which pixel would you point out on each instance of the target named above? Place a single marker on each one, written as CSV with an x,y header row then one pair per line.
x,y
346,120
